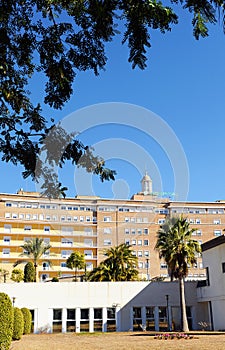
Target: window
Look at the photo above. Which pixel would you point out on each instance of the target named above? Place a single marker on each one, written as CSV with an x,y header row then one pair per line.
x,y
107,242
137,319
71,320
81,218
163,266
223,267
198,221
75,218
8,204
146,242
46,241
111,319
28,216
7,228
145,231
21,216
6,252
7,215
41,217
217,233
140,253
133,231
134,242
140,265
65,253
88,218
14,215
132,219
63,264
27,228
69,218
84,320
63,218
127,219
57,320
216,222
127,241
107,218
46,229
139,242
67,242
107,230
6,240
161,221
139,231
98,320
35,216
127,231
146,253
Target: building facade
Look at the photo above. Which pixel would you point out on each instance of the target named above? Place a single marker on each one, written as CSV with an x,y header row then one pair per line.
x,y
93,224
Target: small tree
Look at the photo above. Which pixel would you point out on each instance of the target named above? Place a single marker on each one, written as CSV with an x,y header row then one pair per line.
x,y
27,318
29,272
17,275
4,274
18,324
6,321
76,261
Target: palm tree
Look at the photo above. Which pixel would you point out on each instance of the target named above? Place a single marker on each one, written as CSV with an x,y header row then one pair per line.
x,y
120,265
179,251
34,249
76,261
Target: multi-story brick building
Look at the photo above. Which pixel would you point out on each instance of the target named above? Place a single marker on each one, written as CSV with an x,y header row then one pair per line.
x,y
92,224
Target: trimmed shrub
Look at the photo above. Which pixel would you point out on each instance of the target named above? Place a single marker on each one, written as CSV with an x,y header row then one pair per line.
x,y
27,318
6,321
17,275
29,272
17,324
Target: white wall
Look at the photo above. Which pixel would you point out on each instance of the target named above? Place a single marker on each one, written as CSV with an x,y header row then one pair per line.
x,y
47,296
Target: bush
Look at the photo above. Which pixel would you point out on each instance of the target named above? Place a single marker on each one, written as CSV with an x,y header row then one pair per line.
x,y
6,321
18,324
27,318
17,275
55,279
29,272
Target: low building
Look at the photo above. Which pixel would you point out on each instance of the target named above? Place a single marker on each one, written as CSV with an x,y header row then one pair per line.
x,y
211,292
104,306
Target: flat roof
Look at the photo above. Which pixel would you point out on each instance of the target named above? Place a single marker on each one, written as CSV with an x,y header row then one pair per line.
x,y
213,243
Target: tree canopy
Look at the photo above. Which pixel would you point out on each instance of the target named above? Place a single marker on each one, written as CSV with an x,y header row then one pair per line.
x,y
56,39
76,261
120,265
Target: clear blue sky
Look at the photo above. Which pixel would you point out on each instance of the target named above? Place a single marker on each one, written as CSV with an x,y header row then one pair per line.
x,y
184,85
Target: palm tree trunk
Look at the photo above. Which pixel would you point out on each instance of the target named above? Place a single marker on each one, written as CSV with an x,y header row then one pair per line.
x,y
35,269
184,322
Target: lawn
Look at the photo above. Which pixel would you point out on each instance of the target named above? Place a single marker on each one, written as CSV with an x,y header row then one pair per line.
x,y
117,341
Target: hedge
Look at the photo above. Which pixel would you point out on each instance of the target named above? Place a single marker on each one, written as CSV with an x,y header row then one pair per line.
x,y
27,317
6,321
18,324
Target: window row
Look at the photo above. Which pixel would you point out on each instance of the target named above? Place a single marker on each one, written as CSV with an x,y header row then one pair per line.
x,y
138,231
198,210
48,206
198,221
42,217
139,242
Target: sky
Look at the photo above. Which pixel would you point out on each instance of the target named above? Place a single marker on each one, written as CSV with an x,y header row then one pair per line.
x,y
182,91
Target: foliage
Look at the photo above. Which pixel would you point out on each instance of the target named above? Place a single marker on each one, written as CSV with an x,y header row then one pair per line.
x,y
57,39
17,275
120,265
33,250
29,272
76,261
27,318
18,324
6,321
176,246
55,279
